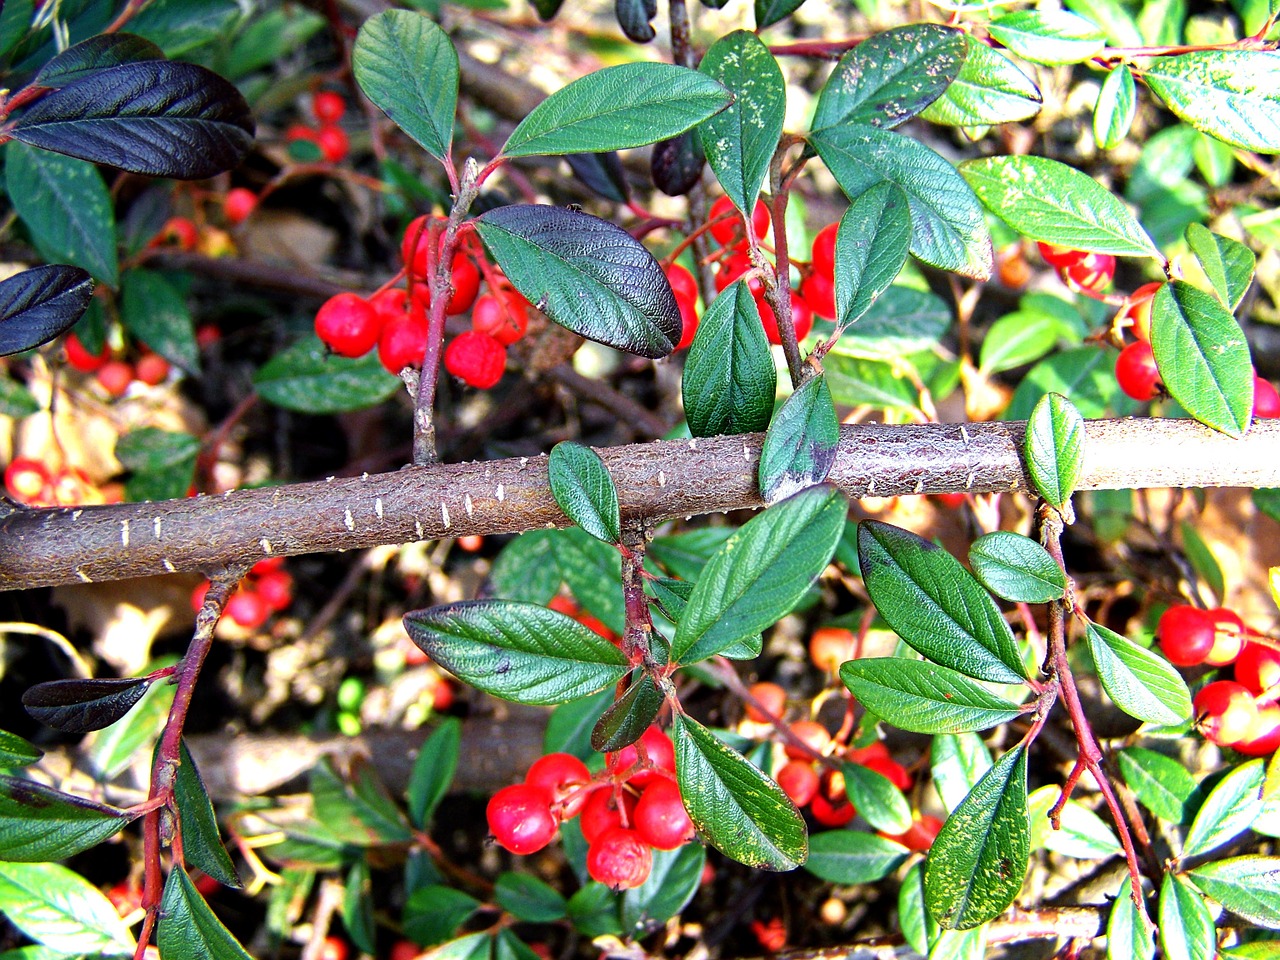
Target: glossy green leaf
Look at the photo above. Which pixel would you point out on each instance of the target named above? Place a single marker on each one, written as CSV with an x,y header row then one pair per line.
x,y
760,573
593,571
472,946
583,489
1054,448
1227,263
736,808
991,89
433,771
1229,810
1117,104
871,247
917,926
854,381
617,108
769,12
1127,937
357,906
876,798
38,823
960,944
1202,356
359,811
891,76
1084,375
308,379
902,321
739,141
1048,36
587,274
924,697
1233,95
935,605
1049,201
516,651
947,226
672,597
979,858
201,842
528,898
729,378
60,909
674,879
852,856
162,463
188,929
1161,784
407,66
593,911
1017,339
1253,950
1016,568
66,207
434,913
156,312
1215,160
1081,833
800,445
526,568
629,717
15,751
1247,886
1202,559
1185,925
1141,683
957,763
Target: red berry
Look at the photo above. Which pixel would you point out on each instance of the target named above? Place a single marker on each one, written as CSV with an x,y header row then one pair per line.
x,y
348,325
601,813
472,543
563,776
302,133
238,204
1258,667
1186,635
27,479
152,369
772,699
405,950
415,247
953,501
1228,637
818,290
328,107
920,835
503,316
731,268
562,604
810,732
1225,712
1264,734
801,317
520,818
71,487
873,751
823,256
1136,371
729,228
619,859
830,807
1266,400
661,819
247,608
683,285
477,359
1137,311
114,377
688,324
81,359
1060,257
390,303
334,949
333,143
197,596
178,232
276,589
403,342
1095,272
799,781
829,647
891,770
466,284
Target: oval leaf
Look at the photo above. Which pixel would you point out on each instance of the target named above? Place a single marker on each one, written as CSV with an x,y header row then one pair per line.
x,y
729,379
90,56
433,771
583,489
1228,263
629,716
1185,925
201,843
674,879
923,697
957,763
1054,448
187,929
156,312
1229,810
17,752
309,379
529,899
586,274
1127,935
38,823
60,909
1048,36
1141,683
407,66
872,242
1117,104
877,798
617,108
991,89
1160,783
38,304
517,651
1016,568
852,856
1233,95
602,173
78,706
154,117
800,446
1247,886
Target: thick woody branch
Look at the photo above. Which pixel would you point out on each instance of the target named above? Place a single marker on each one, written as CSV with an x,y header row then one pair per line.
x,y
656,481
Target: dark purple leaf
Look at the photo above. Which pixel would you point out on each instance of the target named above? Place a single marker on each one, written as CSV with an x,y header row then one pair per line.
x,y
38,304
634,16
78,706
602,173
94,55
676,164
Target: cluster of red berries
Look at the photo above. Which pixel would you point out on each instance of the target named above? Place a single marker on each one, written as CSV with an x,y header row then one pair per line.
x,y
1080,270
327,137
115,374
36,484
267,589
1240,713
633,808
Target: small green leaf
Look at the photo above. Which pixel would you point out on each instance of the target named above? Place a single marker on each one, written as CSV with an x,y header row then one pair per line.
x,y
1139,682
629,717
360,812
1233,95
877,798
800,445
155,311
16,400
617,108
923,697
1017,339
1202,559
878,383
852,856
583,489
529,899
1048,36
435,912
38,823
593,911
1160,783
16,751
593,571
739,141
918,927
1081,833
729,378
900,322
1227,263
163,462
433,771
991,89
957,763
1247,886
187,929
871,247
201,843
674,879
1016,568
1054,448
526,568
1202,356
517,651
1228,811
1116,107
1049,201
935,605
736,808
308,379
59,909
407,66
1185,925
1127,937
769,12
357,906
979,859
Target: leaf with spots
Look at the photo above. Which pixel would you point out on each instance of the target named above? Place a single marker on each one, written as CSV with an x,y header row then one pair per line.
x,y
1233,95
517,651
1048,36
991,88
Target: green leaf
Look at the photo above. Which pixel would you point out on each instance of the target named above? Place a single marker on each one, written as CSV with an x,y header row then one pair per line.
x,y
583,489
360,813
871,247
58,908
357,906
877,798
38,823
991,89
516,651
1185,926
729,377
1228,811
855,381
528,898
960,944
629,717
156,312
891,76
1202,559
526,568
1247,886
593,910
923,697
163,462
593,571
66,207
472,946
1253,950
852,856
900,322
570,725
113,749
1049,201
760,573
1016,568
1227,263
957,763
617,108
1127,937
948,230
736,808
800,445
1233,95
434,912
1116,107
1084,375
1139,682
935,605
1054,448
917,926
308,379
1160,783
407,66
433,771
1081,834
1017,339
1048,36
674,879
769,12
739,141
1202,356
586,274
16,400
187,929
16,751
201,843
979,858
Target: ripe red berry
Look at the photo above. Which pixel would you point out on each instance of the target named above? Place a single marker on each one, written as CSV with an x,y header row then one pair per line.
x,y
683,285
466,284
348,325
659,750
81,359
619,859
238,204
71,487
328,107
247,608
503,316
333,143
829,647
1266,400
520,818
892,771
415,246
1186,635
1060,257
772,699
877,750
1225,712
27,480
799,781
475,358
1136,371
276,589
1137,311
601,812
197,596
403,342
801,317
1258,667
563,776
390,303
729,228
334,949
810,732
830,807
823,256
303,141
114,377
1263,737
152,369
920,835
661,819
731,268
819,292
1228,637
1095,272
